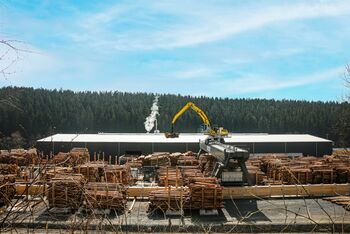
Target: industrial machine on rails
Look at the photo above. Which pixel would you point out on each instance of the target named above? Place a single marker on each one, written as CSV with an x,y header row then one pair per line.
x,y
230,167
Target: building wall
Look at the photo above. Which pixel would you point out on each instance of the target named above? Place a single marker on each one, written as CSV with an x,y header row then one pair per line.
x,y
117,149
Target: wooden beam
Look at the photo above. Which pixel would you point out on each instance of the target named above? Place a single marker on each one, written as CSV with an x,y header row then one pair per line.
x,y
243,192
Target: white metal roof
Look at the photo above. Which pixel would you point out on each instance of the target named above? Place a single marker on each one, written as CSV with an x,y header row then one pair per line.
x,y
183,138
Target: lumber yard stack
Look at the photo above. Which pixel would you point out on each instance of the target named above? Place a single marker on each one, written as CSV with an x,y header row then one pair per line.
x,y
171,198
66,191
159,159
280,169
118,174
207,163
190,172
105,196
169,176
7,188
75,157
92,171
188,159
21,157
343,201
206,193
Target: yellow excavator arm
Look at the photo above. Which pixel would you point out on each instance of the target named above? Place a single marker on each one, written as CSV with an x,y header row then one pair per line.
x,y
202,115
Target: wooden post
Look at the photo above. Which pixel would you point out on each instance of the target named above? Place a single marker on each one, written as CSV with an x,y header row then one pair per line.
x,y
110,159
94,156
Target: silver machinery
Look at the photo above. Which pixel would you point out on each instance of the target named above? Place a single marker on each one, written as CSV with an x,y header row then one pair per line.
x,y
230,167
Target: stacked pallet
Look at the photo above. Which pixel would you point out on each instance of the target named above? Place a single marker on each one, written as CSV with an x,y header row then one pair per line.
x,y
21,157
159,159
117,174
105,196
343,201
169,199
7,188
169,176
92,171
66,191
6,169
206,193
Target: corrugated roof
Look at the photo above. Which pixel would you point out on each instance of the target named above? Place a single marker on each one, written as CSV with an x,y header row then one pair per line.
x,y
183,138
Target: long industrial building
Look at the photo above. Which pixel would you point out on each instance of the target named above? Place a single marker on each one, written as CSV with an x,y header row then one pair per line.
x,y
116,144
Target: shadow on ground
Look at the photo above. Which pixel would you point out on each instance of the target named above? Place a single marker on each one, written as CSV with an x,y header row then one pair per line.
x,y
245,210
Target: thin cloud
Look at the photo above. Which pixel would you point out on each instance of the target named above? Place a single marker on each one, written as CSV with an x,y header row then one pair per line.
x,y
256,83
205,24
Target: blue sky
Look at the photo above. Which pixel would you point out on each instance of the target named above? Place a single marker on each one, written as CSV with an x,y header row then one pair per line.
x,y
237,49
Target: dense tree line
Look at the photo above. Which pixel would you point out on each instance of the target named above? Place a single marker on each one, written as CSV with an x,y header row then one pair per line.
x,y
27,114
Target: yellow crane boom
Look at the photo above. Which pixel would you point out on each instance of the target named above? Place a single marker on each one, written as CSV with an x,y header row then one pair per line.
x,y
209,130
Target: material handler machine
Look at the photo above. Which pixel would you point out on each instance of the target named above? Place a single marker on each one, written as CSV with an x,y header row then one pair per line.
x,y
230,166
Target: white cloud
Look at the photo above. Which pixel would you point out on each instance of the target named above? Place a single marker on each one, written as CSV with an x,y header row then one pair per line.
x,y
200,23
255,83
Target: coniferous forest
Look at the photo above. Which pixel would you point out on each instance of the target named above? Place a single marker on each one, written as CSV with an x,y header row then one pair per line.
x,y
28,114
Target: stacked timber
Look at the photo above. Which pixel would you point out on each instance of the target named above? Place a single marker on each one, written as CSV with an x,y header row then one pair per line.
x,y
187,161
21,157
168,176
206,193
6,169
297,175
190,172
75,157
105,196
343,201
343,173
169,199
322,174
255,174
52,172
208,162
118,174
174,157
7,188
79,155
131,160
92,171
66,191
158,159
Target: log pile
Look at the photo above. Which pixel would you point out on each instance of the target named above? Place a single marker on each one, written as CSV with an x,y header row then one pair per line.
x,y
79,155
117,174
6,169
280,169
105,196
190,172
92,171
187,160
131,160
169,176
343,201
52,172
207,163
7,188
75,157
21,157
256,175
174,157
160,159
169,199
66,191
205,193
